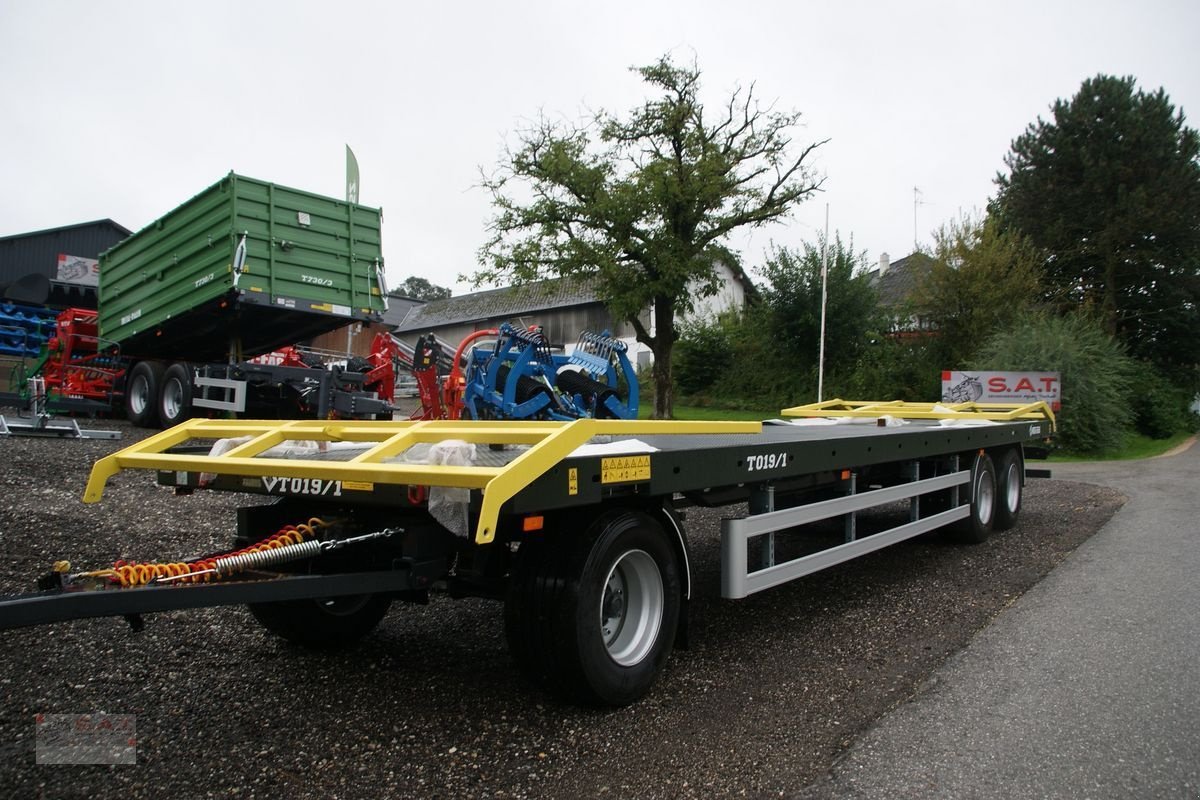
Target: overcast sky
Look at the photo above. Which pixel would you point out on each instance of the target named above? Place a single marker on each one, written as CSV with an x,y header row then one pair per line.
x,y
126,109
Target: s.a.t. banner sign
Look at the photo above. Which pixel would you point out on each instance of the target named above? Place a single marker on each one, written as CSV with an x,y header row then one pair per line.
x,y
984,386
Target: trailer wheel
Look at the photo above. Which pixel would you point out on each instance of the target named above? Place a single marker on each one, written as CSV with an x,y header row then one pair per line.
x,y
175,396
141,393
592,618
1009,489
976,528
325,623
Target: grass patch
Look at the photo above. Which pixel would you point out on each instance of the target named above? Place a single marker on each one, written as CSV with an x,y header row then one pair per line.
x,y
1136,446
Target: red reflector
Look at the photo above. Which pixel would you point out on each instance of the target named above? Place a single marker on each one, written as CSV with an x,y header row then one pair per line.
x,y
845,474
533,523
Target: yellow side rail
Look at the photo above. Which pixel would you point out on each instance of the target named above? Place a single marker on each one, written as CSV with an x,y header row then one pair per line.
x,y
549,443
997,412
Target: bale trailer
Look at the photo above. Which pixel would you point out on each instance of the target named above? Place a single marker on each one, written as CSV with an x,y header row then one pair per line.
x,y
576,527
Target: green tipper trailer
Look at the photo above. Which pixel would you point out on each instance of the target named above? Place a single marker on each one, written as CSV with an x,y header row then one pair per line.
x,y
240,269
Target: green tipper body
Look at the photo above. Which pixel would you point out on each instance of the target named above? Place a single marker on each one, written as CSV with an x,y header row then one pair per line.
x,y
184,288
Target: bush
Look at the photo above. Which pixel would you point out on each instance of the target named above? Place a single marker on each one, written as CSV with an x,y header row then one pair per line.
x,y
1160,408
702,354
893,368
1097,376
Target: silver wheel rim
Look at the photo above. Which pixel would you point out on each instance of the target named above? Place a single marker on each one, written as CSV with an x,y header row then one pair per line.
x,y
139,394
172,399
1012,483
631,609
985,498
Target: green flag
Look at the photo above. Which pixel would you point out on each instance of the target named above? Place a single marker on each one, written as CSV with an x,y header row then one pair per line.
x,y
351,176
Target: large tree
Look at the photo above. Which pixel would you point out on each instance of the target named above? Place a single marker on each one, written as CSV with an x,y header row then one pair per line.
x,y
979,280
1109,189
419,288
643,203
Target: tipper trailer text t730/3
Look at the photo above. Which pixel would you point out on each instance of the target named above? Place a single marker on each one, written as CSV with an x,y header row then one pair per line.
x,y
575,526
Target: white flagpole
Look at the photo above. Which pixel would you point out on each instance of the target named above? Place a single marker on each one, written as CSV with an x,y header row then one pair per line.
x,y
824,290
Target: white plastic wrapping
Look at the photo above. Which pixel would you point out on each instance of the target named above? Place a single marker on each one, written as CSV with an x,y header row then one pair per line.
x,y
289,449
449,505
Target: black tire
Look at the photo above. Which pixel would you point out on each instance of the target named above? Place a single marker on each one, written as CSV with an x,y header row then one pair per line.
x,y
142,392
1009,489
175,396
593,618
976,528
325,623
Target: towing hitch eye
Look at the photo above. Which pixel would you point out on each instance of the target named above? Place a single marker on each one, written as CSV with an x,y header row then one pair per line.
x,y
230,565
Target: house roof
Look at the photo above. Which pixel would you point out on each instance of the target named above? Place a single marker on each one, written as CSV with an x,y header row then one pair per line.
x,y
511,301
99,222
898,283
399,307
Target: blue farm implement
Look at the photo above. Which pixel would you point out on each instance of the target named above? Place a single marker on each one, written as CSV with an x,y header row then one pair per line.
x,y
521,377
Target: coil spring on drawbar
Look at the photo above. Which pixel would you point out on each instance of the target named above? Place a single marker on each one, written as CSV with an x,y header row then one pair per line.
x,y
257,559
132,573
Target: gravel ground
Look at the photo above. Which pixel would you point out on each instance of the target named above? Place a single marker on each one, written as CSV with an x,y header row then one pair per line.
x,y
773,689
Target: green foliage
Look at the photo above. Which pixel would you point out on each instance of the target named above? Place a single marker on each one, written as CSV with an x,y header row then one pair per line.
x,y
1160,408
793,303
980,279
420,289
644,203
703,353
759,374
894,368
1109,190
1097,375
768,356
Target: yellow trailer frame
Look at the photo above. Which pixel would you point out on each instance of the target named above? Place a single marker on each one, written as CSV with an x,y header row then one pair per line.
x,y
994,412
549,442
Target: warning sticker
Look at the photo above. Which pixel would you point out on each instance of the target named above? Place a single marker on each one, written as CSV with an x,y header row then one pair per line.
x,y
572,482
624,469
358,486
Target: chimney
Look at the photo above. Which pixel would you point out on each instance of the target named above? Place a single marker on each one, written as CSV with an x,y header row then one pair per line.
x,y
884,263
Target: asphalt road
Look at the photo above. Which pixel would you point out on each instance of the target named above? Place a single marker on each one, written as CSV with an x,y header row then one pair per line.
x,y
1088,686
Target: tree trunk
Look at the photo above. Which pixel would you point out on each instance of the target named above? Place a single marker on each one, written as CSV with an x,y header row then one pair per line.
x,y
664,343
1109,302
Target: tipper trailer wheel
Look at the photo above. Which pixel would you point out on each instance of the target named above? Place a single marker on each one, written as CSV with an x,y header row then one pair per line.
x,y
175,396
976,528
325,623
593,617
1009,489
142,392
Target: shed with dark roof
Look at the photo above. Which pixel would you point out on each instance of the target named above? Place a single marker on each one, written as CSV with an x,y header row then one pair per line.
x,y
64,257
563,307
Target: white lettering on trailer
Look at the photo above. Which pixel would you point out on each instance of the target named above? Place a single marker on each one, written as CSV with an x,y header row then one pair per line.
x,y
307,486
130,317
206,279
316,280
757,463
